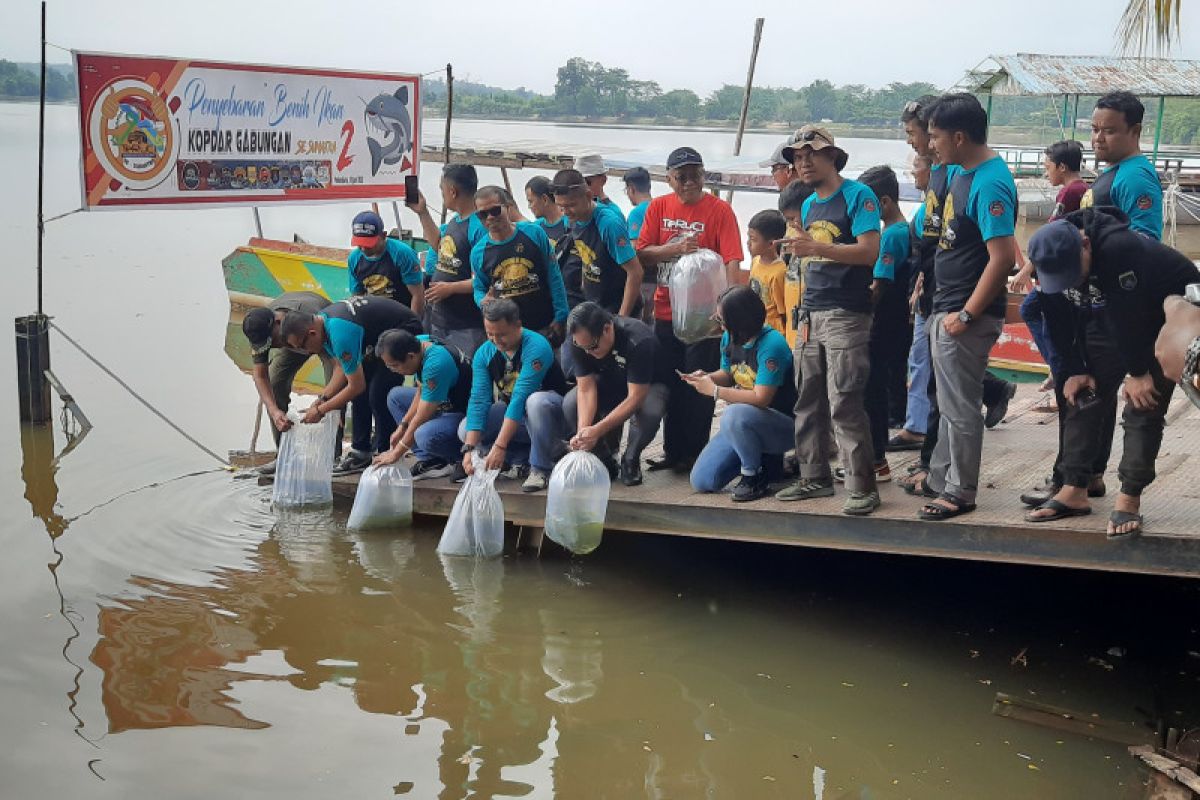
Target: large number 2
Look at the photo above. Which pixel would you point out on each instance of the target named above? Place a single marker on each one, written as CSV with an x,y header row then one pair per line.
x,y
343,159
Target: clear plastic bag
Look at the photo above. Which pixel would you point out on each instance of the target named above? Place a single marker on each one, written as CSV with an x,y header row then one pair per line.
x,y
476,523
697,282
384,498
577,502
304,471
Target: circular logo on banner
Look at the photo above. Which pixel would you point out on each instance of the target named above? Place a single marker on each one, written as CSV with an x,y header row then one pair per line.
x,y
132,133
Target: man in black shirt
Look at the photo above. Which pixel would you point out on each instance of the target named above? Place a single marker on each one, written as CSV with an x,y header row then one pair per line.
x,y
619,377
1114,281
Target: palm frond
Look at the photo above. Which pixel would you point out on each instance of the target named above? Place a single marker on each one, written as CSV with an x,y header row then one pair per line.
x,y
1149,27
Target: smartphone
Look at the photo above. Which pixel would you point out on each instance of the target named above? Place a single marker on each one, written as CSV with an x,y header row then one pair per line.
x,y
1085,399
412,190
1192,293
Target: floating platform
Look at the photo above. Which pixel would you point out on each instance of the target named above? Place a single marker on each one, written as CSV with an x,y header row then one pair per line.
x,y
1018,454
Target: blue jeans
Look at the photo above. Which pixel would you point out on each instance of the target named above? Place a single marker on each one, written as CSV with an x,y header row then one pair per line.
x,y
747,434
1031,312
518,448
919,369
437,437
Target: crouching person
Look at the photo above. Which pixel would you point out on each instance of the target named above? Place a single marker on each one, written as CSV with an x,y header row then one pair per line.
x,y
756,381
508,368
427,415
619,376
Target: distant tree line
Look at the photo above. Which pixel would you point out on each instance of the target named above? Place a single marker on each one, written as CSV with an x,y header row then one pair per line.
x,y
24,81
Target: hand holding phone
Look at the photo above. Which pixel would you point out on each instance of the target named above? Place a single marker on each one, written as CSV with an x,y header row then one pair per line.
x,y
412,190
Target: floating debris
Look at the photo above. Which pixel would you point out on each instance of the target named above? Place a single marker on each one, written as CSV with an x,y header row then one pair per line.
x,y
1019,658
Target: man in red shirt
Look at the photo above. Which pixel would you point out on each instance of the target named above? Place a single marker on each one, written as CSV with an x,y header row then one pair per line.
x,y
676,224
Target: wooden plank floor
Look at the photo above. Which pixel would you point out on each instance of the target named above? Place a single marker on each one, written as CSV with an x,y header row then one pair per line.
x,y
1018,453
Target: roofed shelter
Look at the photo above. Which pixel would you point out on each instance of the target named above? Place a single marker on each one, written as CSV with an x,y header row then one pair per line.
x,y
1035,75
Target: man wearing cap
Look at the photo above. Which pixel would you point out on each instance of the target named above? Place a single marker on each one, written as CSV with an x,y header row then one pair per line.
x,y
347,331
610,272
839,247
595,173
382,266
275,366
782,171
453,316
681,222
1116,281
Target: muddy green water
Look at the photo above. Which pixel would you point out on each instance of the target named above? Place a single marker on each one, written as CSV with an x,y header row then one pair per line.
x,y
168,635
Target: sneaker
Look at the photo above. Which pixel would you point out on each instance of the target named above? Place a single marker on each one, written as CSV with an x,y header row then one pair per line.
x,y
751,487
353,462
536,482
883,473
859,504
459,473
515,472
431,468
995,413
631,473
805,489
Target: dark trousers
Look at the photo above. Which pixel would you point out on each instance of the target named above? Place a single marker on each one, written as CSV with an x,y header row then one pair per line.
x,y
372,405
689,413
1085,436
993,391
891,337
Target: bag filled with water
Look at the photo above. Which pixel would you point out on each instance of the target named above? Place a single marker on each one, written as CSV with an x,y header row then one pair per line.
x,y
697,283
304,471
476,523
384,498
577,502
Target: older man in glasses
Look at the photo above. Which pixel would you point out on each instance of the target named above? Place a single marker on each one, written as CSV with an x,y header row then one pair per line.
x,y
676,224
515,262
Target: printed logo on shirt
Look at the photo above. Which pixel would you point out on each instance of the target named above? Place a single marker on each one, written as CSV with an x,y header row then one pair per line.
x,y
869,205
448,260
743,376
432,384
933,221
378,285
622,242
683,225
825,232
537,365
1088,199
514,277
996,209
1128,280
772,365
887,258
1145,202
345,357
948,235
757,287
588,256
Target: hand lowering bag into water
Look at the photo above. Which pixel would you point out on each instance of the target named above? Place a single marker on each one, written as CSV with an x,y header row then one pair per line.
x,y
476,523
384,498
304,471
697,282
577,502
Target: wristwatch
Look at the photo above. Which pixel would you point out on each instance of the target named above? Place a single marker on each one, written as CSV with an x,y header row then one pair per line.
x,y
1187,378
966,317
466,448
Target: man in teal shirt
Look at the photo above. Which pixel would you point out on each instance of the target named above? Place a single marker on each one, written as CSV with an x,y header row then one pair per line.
x,y
1130,182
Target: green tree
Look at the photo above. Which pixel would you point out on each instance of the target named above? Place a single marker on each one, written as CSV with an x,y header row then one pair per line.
x,y
822,100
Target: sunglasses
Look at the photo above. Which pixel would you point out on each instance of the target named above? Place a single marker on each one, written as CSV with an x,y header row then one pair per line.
x,y
912,107
812,136
494,211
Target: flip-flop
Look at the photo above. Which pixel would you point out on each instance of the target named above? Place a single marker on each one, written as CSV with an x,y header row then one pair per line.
x,y
1061,511
1118,518
898,444
936,513
920,488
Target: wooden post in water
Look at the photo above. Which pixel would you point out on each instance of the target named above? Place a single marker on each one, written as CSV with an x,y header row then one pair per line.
x,y
737,142
449,117
33,332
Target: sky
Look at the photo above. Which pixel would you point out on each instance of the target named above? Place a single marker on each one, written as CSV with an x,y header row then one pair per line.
x,y
696,45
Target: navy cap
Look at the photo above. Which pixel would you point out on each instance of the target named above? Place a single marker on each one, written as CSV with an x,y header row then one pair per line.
x,y
366,229
258,325
1055,252
684,157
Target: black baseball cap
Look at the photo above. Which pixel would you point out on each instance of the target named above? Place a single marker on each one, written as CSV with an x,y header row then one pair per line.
x,y
684,157
258,325
1055,252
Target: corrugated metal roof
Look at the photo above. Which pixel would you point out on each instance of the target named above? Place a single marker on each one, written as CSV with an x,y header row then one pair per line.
x,y
1034,74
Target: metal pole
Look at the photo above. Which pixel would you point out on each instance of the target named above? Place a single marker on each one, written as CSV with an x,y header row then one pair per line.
x,y
988,112
1074,117
41,230
449,117
1066,99
257,222
396,211
737,141
1162,104
33,361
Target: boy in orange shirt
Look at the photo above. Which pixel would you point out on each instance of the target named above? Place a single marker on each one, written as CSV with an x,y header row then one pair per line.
x,y
767,268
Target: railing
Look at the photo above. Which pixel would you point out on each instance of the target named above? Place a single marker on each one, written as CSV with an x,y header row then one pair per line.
x,y
1026,162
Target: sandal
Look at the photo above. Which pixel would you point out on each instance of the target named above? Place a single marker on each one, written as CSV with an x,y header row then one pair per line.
x,y
900,443
920,488
936,513
1118,518
1061,511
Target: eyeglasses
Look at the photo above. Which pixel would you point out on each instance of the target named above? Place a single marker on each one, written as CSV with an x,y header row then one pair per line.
x,y
780,168
494,211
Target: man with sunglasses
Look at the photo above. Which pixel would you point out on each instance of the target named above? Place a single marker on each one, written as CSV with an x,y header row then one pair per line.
x,y
610,273
516,262
839,248
619,377
347,331
782,171
676,224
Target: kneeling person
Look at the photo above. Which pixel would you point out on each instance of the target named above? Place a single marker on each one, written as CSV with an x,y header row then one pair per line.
x,y
755,379
427,415
508,368
619,376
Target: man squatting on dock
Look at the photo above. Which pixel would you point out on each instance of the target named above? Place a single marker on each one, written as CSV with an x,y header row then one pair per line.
x,y
531,342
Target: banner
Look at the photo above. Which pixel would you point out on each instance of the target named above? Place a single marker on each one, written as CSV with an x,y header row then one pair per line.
x,y
165,133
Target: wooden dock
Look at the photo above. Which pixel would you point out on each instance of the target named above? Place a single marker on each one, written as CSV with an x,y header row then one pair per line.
x,y
1018,454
